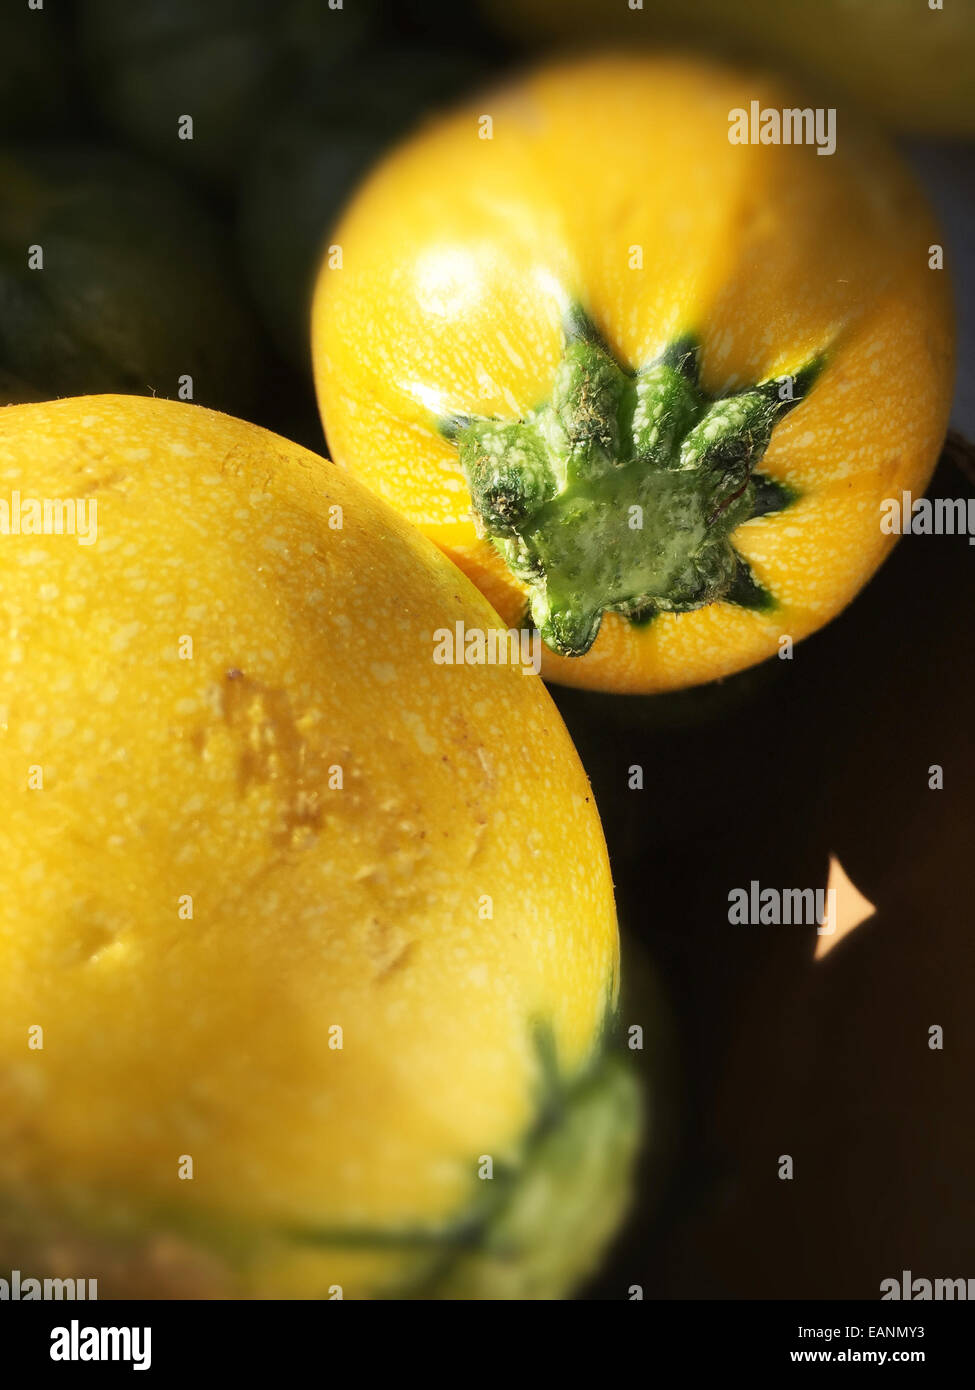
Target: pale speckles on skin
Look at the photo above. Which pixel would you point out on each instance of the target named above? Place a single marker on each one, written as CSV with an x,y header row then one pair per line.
x,y
277,545
477,843
487,765
136,814
418,729
124,636
733,248
535,842
30,557
515,358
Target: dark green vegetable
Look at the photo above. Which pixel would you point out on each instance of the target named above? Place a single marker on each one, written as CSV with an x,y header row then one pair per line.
x,y
132,288
225,63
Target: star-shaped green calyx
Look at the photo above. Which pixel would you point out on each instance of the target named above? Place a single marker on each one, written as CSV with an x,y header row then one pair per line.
x,y
621,493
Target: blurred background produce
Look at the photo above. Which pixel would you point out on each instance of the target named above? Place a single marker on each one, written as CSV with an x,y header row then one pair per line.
x,y
38,79
760,777
226,63
908,62
309,159
133,293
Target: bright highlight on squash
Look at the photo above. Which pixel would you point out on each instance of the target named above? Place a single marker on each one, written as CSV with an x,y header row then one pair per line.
x,y
648,386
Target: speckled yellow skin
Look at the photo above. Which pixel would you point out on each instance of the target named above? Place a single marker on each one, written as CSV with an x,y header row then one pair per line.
x,y
312,907
459,253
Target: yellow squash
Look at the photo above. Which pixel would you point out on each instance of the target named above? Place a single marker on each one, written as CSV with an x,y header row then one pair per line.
x,y
307,942
646,383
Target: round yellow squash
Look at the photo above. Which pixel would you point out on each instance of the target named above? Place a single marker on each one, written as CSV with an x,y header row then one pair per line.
x,y
307,941
644,374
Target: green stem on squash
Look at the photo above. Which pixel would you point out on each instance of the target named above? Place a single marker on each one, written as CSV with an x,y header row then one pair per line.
x,y
621,492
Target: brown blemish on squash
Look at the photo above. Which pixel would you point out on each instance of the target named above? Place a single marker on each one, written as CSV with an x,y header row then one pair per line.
x,y
270,750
